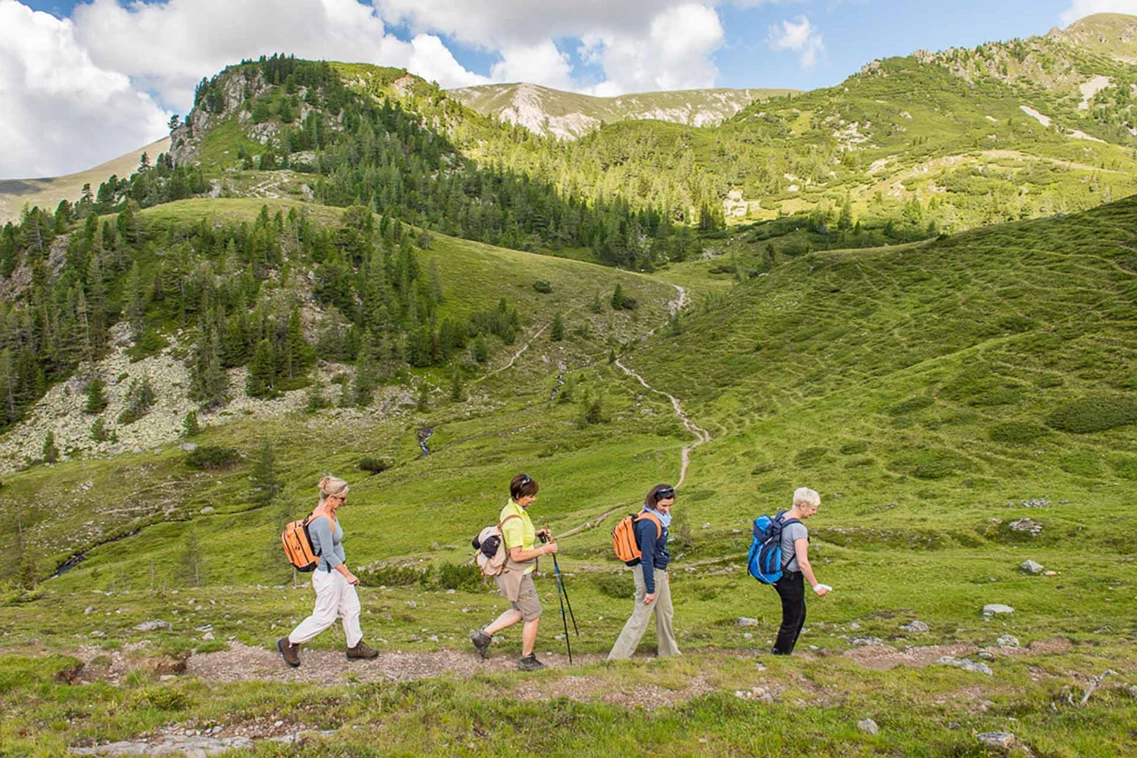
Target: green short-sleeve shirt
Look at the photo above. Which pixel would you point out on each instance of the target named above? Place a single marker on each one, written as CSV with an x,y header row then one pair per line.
x,y
517,532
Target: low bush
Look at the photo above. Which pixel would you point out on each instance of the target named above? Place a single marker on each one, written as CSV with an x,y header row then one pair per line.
x,y
374,465
911,405
543,286
212,457
617,585
1095,413
1017,432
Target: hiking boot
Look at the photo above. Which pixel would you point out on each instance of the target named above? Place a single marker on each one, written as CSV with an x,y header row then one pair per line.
x,y
481,642
362,652
290,652
530,663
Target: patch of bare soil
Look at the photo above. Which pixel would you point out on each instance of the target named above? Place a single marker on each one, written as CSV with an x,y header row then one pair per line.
x,y
595,688
325,667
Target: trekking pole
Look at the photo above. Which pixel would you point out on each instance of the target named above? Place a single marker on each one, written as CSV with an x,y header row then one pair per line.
x,y
561,582
561,596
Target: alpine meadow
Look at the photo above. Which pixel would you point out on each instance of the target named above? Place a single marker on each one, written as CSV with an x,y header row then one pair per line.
x,y
914,292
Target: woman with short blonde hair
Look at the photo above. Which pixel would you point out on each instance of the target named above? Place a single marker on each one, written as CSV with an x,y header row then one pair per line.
x,y
335,585
791,587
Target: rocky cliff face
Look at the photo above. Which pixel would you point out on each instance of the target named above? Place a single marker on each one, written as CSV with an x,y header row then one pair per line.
x,y
566,115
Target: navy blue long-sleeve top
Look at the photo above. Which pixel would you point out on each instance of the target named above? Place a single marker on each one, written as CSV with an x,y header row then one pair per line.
x,y
655,547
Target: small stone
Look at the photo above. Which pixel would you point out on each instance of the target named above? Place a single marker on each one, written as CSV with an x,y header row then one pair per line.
x,y
864,641
153,626
748,636
966,665
916,627
207,510
1007,640
207,637
1030,567
707,525
450,592
279,723
1050,573
994,609
188,447
987,656
1133,690
868,726
744,621
412,604
854,626
89,610
1005,740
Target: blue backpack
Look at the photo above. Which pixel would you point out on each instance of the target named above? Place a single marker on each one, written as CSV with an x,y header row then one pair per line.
x,y
765,558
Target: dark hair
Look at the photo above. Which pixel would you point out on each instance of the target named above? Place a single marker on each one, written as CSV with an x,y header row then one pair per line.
x,y
522,486
653,495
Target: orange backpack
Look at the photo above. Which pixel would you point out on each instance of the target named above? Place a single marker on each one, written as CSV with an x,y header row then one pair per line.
x,y
298,546
624,537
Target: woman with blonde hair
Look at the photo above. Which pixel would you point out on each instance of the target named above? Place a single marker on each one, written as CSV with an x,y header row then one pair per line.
x,y
334,583
796,570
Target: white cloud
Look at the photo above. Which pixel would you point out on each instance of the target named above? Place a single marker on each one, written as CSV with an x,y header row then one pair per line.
x,y
799,36
541,63
169,46
62,113
673,54
1082,8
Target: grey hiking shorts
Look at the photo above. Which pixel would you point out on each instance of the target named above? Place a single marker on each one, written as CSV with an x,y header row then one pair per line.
x,y
527,601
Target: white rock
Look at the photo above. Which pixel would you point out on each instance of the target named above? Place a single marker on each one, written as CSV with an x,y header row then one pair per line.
x,y
1004,740
207,510
744,621
153,626
1007,640
994,609
917,627
1031,567
868,726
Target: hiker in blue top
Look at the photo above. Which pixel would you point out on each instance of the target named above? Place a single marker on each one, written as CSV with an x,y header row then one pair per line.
x,y
653,583
795,542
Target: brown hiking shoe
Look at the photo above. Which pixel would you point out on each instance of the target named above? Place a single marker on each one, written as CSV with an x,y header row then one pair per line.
x,y
530,663
290,652
361,651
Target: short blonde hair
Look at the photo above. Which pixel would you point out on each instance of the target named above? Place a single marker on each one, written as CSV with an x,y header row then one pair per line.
x,y
806,496
331,486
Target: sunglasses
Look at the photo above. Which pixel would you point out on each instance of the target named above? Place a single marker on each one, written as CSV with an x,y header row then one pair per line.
x,y
525,479
664,494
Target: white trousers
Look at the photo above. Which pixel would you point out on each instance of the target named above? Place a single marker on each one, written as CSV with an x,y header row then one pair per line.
x,y
334,598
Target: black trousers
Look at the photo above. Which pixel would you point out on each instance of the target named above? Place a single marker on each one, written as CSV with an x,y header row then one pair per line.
x,y
791,589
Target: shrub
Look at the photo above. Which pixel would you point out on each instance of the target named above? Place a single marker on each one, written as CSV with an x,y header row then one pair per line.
x,y
212,457
139,399
1125,466
854,448
1018,432
1082,463
458,576
373,465
910,405
99,431
811,456
543,286
1095,413
930,463
392,576
616,585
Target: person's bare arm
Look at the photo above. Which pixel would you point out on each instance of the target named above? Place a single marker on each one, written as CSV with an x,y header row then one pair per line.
x,y
520,554
801,552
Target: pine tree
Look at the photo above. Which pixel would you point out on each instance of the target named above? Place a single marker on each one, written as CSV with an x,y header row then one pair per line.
x,y
50,451
208,380
193,572
456,393
96,396
558,327
618,298
263,482
262,372
190,425
366,373
136,307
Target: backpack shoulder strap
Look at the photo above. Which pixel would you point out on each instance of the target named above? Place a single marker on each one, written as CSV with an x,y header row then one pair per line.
x,y
507,518
651,516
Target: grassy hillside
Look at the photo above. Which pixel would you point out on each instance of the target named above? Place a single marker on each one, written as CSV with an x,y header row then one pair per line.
x,y
962,405
48,192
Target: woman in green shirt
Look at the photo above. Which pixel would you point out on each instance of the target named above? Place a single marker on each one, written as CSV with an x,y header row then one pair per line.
x,y
516,581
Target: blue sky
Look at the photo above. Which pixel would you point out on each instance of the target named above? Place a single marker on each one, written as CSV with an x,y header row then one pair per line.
x,y
853,32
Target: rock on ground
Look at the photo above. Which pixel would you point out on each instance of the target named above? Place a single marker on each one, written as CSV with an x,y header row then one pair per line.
x,y
997,739
1031,567
994,609
868,726
1007,640
917,627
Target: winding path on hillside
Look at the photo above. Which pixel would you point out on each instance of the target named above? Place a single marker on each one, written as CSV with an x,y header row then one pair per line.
x,y
702,436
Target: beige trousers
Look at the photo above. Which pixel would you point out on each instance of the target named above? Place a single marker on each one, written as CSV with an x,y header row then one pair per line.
x,y
629,639
335,598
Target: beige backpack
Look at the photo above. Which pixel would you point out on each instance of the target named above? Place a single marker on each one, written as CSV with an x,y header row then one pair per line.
x,y
491,553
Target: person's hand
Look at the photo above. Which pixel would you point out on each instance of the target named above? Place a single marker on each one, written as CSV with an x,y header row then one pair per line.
x,y
546,532
822,589
649,599
352,578
550,547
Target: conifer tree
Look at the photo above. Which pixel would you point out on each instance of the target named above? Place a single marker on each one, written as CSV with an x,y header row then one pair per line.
x,y
50,451
262,371
96,396
263,483
558,327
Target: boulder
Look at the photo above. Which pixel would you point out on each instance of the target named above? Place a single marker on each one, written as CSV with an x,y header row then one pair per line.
x,y
916,627
966,665
1030,567
1007,640
1005,740
187,447
744,621
153,626
868,726
995,609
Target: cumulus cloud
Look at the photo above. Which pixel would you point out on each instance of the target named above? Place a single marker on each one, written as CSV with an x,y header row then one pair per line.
x,y
1082,8
62,112
674,53
801,37
169,46
541,63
